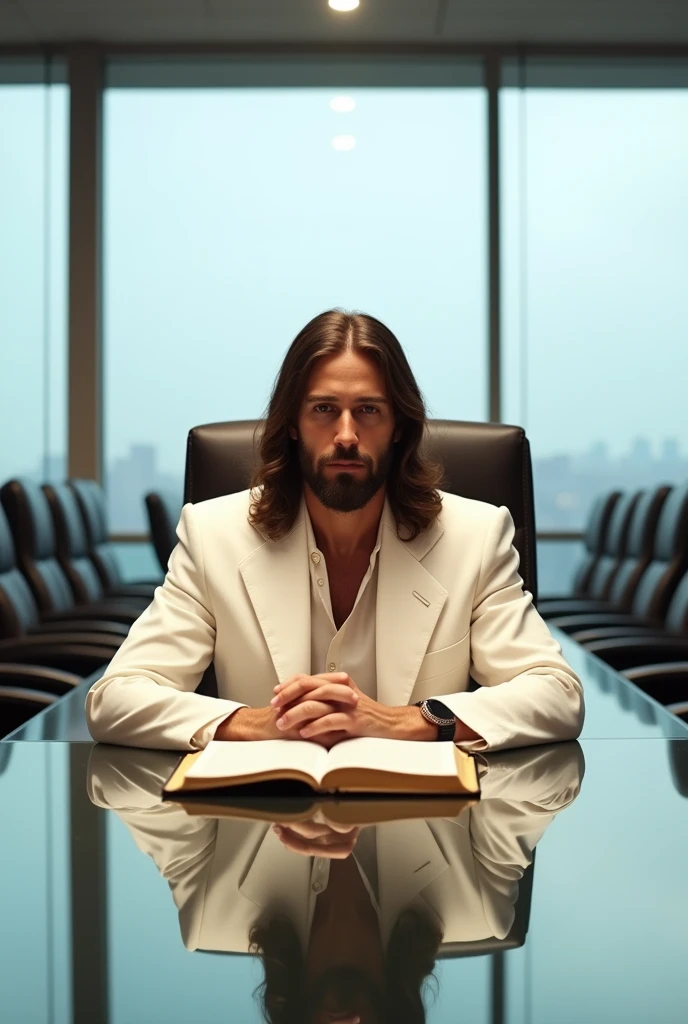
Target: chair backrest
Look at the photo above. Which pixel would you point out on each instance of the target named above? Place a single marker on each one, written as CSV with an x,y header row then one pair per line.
x,y
91,500
486,461
72,544
28,515
595,536
676,620
615,543
164,511
641,538
669,558
18,609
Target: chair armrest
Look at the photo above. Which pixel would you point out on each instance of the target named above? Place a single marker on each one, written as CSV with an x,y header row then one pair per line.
x,y
81,658
116,629
679,709
142,591
576,623
586,636
100,610
627,652
572,606
38,677
667,683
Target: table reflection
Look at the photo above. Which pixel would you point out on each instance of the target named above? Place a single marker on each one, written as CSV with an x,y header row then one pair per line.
x,y
347,921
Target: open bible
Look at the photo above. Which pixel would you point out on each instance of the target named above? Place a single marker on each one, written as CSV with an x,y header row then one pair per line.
x,y
358,766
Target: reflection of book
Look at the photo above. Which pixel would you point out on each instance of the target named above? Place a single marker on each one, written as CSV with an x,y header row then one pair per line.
x,y
363,765
349,811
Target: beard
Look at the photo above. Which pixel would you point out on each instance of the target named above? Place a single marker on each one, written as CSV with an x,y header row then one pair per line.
x,y
345,492
347,989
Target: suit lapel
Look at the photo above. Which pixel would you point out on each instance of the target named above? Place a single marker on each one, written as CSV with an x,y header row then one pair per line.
x,y
409,602
408,859
277,580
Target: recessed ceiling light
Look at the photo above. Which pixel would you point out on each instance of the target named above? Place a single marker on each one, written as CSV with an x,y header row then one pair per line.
x,y
343,5
343,142
343,104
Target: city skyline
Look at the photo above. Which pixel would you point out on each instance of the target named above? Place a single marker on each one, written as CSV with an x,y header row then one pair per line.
x,y
565,484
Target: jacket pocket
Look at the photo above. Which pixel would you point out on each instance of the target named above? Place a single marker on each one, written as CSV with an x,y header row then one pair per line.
x,y
436,663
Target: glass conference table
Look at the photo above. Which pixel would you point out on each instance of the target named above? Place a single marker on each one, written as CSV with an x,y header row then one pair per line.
x,y
561,896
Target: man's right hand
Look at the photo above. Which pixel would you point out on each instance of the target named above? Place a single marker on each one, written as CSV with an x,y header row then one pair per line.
x,y
260,723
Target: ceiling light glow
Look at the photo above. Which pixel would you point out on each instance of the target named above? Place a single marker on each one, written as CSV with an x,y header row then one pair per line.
x,y
342,104
343,142
343,5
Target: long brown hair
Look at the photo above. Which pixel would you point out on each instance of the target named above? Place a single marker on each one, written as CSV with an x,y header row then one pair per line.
x,y
414,476
408,975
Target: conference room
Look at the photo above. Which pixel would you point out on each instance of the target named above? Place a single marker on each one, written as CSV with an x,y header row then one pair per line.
x,y
441,246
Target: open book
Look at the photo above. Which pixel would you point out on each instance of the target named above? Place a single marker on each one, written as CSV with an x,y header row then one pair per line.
x,y
363,765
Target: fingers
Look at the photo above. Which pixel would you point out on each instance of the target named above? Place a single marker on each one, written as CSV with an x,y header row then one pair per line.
x,y
337,721
318,829
335,846
337,692
302,713
294,687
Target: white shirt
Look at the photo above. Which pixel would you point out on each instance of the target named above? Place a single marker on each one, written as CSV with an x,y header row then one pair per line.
x,y
351,648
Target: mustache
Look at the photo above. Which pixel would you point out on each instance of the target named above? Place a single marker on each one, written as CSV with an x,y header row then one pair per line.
x,y
346,456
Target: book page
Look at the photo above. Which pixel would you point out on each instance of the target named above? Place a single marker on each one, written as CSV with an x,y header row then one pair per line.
x,y
405,757
221,759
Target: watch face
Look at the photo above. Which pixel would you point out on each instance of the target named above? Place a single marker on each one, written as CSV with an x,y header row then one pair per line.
x,y
440,710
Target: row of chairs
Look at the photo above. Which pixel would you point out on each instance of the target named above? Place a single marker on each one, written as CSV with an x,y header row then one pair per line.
x,y
629,606
64,608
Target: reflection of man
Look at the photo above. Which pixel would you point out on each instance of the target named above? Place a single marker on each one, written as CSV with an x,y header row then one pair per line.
x,y
354,933
345,596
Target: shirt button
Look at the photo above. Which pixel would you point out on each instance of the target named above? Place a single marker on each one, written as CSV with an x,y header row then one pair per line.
x,y
316,557
316,887
321,582
331,667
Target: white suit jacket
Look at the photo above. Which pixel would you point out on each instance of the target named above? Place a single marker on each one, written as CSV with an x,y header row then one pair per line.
x,y
464,871
450,604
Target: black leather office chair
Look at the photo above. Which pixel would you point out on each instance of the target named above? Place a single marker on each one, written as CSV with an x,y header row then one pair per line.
x,y
624,518
656,584
72,552
91,500
594,541
485,461
30,520
163,515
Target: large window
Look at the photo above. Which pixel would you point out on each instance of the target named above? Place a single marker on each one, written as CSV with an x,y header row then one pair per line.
x,y
595,247
237,210
33,269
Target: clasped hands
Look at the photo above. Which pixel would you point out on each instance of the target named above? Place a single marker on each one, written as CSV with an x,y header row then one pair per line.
x,y
329,707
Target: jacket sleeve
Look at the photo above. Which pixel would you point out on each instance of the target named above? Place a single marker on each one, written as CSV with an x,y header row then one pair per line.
x,y
528,694
146,697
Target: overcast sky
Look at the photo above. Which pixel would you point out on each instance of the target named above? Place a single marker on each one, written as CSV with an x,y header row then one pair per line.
x,y
230,220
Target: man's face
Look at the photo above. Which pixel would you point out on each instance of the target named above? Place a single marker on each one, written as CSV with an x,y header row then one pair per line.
x,y
345,431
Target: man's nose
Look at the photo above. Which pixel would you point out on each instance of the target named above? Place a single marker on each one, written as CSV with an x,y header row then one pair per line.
x,y
346,434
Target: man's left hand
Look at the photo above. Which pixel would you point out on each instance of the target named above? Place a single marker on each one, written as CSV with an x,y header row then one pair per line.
x,y
365,717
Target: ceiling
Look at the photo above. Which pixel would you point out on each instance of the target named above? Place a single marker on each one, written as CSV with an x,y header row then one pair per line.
x,y
425,22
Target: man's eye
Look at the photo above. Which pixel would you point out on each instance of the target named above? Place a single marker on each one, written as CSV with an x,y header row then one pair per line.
x,y
321,408
370,409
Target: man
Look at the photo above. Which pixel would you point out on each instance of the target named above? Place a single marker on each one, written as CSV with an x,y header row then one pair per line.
x,y
343,595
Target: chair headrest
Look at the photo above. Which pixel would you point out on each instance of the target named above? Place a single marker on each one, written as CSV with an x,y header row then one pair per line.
x,y
671,540
91,499
644,522
485,461
30,520
70,529
598,521
8,557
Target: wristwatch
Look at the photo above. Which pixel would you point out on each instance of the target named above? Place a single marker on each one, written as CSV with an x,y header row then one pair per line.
x,y
439,714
